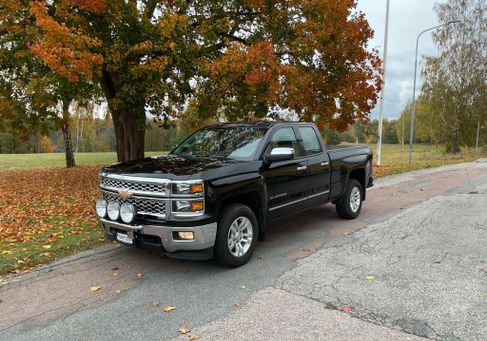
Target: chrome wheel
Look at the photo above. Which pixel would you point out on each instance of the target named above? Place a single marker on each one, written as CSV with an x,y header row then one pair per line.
x,y
239,237
355,198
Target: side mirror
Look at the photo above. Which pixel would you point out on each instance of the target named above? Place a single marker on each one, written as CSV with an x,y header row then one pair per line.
x,y
279,154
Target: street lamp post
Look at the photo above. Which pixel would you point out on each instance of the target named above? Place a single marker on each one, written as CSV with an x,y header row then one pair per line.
x,y
411,131
381,108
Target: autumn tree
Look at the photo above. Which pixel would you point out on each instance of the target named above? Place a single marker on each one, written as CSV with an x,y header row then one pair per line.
x,y
234,59
36,97
456,81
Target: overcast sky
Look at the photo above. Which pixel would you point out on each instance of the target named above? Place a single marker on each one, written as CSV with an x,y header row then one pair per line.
x,y
406,19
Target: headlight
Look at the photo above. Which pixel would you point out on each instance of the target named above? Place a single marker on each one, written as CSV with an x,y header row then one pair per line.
x,y
127,213
113,210
101,207
188,207
187,188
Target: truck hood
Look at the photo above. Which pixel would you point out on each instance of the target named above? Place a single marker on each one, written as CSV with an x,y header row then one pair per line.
x,y
175,167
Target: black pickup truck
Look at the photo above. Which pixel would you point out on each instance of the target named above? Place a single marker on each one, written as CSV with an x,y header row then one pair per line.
x,y
213,195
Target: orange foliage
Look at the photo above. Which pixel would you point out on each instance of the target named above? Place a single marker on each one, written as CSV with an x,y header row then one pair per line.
x,y
46,145
66,51
30,198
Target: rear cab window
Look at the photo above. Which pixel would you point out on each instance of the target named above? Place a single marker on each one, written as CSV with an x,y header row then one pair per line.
x,y
311,142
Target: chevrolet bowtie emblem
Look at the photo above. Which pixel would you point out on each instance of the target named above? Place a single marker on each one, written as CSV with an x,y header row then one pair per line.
x,y
124,194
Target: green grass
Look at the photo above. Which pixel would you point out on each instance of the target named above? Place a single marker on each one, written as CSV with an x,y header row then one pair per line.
x,y
11,161
60,241
395,157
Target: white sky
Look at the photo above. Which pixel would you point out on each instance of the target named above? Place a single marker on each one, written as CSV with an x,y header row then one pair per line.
x,y
407,18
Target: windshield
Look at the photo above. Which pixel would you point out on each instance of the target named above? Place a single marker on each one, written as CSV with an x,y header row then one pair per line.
x,y
239,143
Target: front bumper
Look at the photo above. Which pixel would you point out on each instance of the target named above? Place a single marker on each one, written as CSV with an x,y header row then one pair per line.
x,y
204,235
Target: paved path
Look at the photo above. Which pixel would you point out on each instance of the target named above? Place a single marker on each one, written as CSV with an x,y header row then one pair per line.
x,y
407,265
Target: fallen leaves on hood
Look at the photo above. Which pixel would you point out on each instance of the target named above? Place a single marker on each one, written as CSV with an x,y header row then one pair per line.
x,y
184,330
95,288
168,309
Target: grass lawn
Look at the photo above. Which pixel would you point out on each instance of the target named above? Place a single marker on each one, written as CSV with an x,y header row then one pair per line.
x,y
9,161
47,211
394,158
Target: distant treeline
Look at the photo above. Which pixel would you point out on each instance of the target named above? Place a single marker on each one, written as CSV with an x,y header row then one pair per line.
x,y
98,135
89,135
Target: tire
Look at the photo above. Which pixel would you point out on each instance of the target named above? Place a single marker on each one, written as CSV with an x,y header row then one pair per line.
x,y
349,206
234,218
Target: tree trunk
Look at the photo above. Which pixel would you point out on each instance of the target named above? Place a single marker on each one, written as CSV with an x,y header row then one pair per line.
x,y
454,145
68,146
128,121
129,133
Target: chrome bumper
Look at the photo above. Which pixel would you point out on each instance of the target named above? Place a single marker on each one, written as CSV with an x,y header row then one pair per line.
x,y
204,235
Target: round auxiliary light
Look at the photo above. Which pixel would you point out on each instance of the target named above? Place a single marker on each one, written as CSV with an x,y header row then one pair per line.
x,y
101,207
127,213
113,210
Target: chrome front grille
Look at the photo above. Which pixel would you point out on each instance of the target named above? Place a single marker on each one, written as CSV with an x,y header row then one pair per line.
x,y
134,186
143,206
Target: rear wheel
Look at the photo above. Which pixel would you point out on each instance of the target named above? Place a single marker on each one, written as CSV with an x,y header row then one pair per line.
x,y
349,206
236,237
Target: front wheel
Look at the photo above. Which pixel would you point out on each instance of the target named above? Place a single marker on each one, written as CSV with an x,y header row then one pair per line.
x,y
236,237
349,206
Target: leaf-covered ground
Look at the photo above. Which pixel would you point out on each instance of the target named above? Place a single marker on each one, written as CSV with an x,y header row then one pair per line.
x,y
46,214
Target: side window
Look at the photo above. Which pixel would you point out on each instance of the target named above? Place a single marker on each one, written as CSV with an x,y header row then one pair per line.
x,y
310,140
284,137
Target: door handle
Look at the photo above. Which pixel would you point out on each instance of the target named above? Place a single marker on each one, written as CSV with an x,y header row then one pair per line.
x,y
325,163
300,168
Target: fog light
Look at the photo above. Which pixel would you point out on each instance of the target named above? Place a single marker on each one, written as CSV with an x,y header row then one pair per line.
x,y
101,208
127,212
186,235
113,210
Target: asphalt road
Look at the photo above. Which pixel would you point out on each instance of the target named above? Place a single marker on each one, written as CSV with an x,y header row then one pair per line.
x,y
413,264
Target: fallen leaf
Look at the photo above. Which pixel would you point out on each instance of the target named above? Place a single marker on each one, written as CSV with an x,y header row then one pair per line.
x,y
184,330
115,269
168,309
346,308
140,274
242,287
238,304
370,277
46,246
156,303
6,252
260,257
193,337
115,274
118,291
95,288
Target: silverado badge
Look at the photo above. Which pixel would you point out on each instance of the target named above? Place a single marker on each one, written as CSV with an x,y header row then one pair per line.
x,y
124,194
